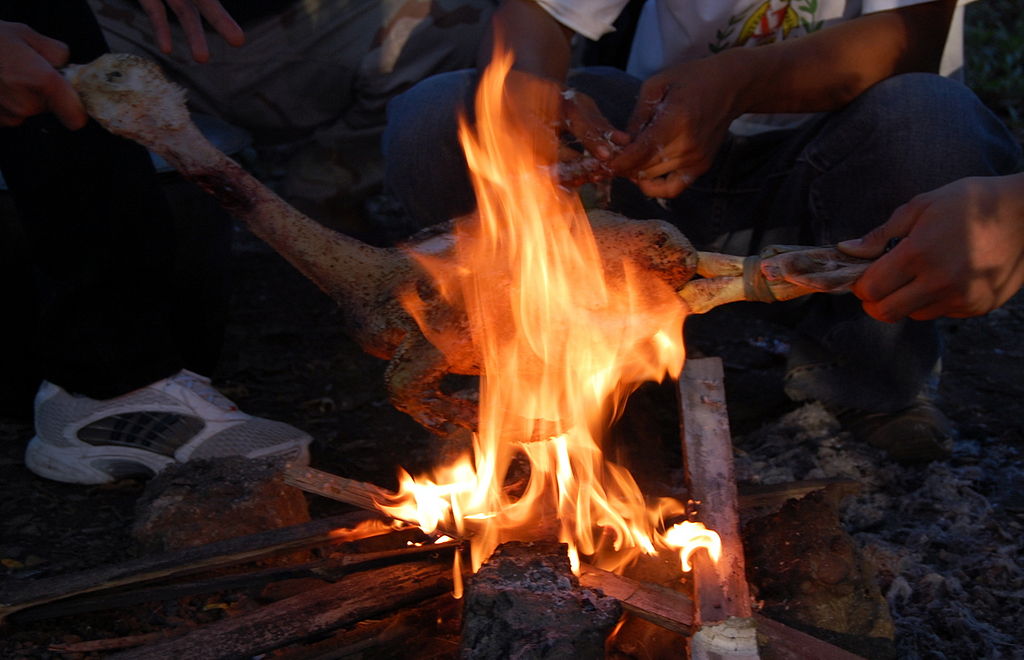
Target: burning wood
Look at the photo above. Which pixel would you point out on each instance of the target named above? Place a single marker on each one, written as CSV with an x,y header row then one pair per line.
x,y
525,602
132,583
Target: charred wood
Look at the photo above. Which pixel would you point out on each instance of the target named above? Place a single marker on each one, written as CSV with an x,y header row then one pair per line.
x,y
180,563
316,612
524,602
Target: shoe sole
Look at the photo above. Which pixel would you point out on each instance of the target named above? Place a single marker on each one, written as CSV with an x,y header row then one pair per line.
x,y
76,465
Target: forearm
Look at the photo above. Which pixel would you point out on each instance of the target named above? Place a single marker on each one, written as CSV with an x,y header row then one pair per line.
x,y
541,44
827,69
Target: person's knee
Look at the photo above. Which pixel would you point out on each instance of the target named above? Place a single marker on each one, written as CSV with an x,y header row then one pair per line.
x,y
426,111
424,166
614,90
923,116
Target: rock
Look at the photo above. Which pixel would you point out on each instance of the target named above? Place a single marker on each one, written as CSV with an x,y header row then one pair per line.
x,y
203,501
810,575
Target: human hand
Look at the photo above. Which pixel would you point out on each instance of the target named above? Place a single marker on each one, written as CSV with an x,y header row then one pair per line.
x,y
961,253
585,121
678,125
29,81
190,14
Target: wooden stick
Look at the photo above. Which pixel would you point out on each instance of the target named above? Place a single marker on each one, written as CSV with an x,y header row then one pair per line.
x,y
350,491
113,643
721,595
315,612
775,495
791,644
327,569
179,563
661,606
674,611
357,493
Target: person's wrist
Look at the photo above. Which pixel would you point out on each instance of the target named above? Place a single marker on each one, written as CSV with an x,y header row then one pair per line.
x,y
741,67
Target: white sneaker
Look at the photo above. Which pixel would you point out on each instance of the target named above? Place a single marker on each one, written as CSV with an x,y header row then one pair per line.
x,y
87,441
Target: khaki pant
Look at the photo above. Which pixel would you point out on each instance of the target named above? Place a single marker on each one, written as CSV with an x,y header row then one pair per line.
x,y
313,80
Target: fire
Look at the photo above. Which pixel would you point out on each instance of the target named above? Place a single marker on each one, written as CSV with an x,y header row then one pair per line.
x,y
563,344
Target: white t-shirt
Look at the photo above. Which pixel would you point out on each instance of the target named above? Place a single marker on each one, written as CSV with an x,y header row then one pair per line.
x,y
676,30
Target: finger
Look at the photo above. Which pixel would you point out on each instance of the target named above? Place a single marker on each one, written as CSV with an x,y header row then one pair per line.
x,y
883,278
651,99
911,299
586,122
55,52
221,21
657,153
158,20
874,243
660,169
643,144
63,101
9,119
192,26
633,156
668,186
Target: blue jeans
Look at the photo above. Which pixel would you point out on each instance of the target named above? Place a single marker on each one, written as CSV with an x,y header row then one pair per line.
x,y
834,177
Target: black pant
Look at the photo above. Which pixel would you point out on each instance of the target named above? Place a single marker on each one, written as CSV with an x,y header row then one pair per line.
x,y
111,306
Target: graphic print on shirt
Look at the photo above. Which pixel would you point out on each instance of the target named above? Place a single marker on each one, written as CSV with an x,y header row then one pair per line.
x,y
767,21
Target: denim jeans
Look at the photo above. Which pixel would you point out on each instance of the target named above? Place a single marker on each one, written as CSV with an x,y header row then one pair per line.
x,y
835,177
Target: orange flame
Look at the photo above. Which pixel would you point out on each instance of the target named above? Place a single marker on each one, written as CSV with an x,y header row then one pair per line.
x,y
562,344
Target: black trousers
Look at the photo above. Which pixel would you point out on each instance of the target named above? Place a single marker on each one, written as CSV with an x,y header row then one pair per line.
x,y
99,300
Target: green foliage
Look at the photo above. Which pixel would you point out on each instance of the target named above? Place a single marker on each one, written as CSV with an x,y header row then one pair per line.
x,y
994,48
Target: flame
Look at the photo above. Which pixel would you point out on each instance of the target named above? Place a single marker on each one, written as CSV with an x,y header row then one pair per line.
x,y
564,339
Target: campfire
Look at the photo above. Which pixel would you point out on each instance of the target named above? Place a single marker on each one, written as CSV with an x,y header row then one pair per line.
x,y
562,323
562,345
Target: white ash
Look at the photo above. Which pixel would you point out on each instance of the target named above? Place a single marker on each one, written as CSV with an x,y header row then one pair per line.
x,y
946,538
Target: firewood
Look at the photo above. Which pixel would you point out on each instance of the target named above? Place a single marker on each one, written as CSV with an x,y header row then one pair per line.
x,y
791,644
524,602
145,592
357,493
772,496
112,643
353,598
666,608
178,563
722,597
433,624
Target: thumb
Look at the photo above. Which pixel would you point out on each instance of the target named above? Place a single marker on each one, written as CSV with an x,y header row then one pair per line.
x,y
875,243
53,51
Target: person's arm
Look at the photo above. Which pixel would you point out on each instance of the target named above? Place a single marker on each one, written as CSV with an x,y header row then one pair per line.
x,y
960,252
29,81
542,50
684,112
191,14
542,46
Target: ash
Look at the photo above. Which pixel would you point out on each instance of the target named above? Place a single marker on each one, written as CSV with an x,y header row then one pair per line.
x,y
946,538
